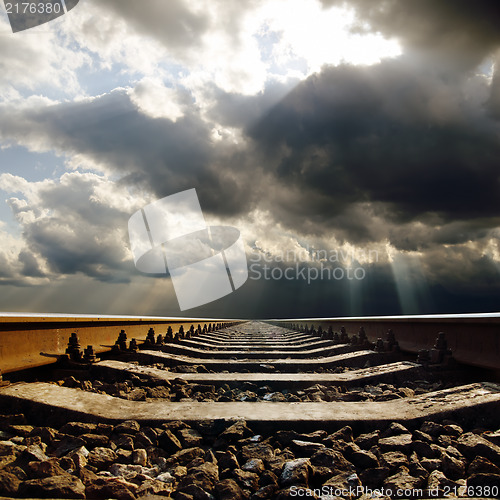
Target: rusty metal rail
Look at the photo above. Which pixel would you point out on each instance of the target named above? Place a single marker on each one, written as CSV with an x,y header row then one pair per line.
x,y
30,341
474,339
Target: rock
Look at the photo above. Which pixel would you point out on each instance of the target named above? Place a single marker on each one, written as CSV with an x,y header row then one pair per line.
x,y
183,457
374,478
94,440
453,430
102,457
402,480
9,452
129,471
105,429
63,486
285,438
472,445
187,369
430,464
34,452
401,442
125,441
127,427
190,438
246,479
422,436
18,472
227,460
481,465
275,465
332,459
406,392
263,451
47,468
265,492
9,446
125,456
432,428
166,477
195,492
141,440
111,488
268,478
180,495
360,458
344,481
86,476
424,450
47,434
255,465
393,460
440,485
152,487
315,436
228,489
444,440
160,392
366,441
319,474
140,457
275,397
307,448
416,469
235,432
395,429
66,444
454,468
479,481
344,434
493,437
77,428
137,394
195,463
9,484
20,430
295,472
169,442
204,476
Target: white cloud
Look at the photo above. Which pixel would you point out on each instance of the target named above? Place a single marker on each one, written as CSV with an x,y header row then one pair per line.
x,y
37,60
75,224
156,100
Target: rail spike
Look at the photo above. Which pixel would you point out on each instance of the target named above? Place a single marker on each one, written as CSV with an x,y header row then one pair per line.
x,y
150,339
440,352
89,355
73,350
344,338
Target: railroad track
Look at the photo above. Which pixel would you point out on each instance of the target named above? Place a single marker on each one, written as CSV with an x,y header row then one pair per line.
x,y
249,410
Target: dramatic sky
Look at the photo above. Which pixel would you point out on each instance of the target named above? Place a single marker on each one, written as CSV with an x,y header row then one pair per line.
x,y
356,138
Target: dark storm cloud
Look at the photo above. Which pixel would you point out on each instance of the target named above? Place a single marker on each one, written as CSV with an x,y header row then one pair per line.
x,y
30,265
453,33
406,140
160,155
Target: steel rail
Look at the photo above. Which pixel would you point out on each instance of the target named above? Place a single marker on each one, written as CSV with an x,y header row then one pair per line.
x,y
474,339
29,341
